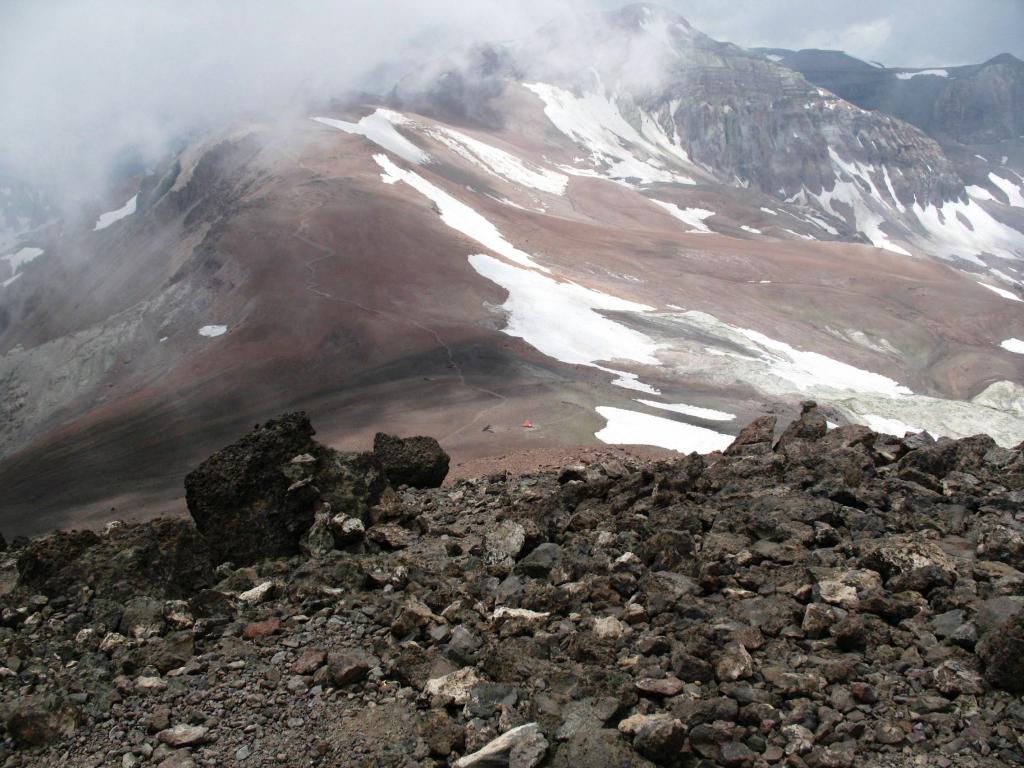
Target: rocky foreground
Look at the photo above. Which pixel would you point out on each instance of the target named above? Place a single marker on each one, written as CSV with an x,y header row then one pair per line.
x,y
832,599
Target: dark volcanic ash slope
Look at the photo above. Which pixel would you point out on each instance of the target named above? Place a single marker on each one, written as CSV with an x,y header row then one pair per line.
x,y
839,599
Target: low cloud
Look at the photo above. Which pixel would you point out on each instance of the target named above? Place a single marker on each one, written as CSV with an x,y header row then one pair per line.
x,y
869,39
89,84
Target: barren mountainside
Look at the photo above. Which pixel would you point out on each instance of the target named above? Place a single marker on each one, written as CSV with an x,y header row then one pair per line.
x,y
616,232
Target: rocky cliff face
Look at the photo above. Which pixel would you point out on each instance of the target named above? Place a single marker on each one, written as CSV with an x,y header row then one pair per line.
x,y
830,598
981,104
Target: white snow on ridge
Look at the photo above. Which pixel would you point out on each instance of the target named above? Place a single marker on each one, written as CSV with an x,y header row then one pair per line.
x,y
1011,190
380,129
22,257
888,426
1013,345
457,214
751,230
561,320
1000,291
923,72
213,331
106,219
634,428
499,163
629,381
693,217
797,234
808,370
777,369
708,414
953,238
594,122
979,193
848,192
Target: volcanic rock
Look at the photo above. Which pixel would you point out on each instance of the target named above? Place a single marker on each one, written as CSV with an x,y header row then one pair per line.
x,y
258,497
41,720
418,462
788,626
755,438
810,426
1002,654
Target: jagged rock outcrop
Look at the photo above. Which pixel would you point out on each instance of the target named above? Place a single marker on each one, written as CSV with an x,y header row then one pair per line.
x,y
258,497
755,438
849,599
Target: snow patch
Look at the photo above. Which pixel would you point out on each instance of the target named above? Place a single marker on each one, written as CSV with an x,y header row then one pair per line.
x,y
380,129
708,414
595,123
499,163
22,257
1013,345
629,381
954,238
922,73
728,354
1000,291
848,192
634,428
562,319
213,331
692,217
797,234
1011,190
751,230
457,214
979,193
106,219
888,426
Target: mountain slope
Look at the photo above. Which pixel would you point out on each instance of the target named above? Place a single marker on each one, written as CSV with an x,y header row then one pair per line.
x,y
594,256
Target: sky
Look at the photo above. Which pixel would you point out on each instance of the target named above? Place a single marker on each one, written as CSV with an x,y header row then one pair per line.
x,y
81,80
897,33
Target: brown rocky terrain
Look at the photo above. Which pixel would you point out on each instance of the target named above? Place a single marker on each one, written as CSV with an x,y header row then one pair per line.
x,y
823,599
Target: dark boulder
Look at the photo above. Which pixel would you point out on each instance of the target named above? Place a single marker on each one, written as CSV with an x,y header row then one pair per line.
x,y
256,498
239,497
37,721
418,462
1002,654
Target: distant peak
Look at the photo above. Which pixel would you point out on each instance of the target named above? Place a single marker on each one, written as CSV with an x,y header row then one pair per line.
x,y
1004,58
636,15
